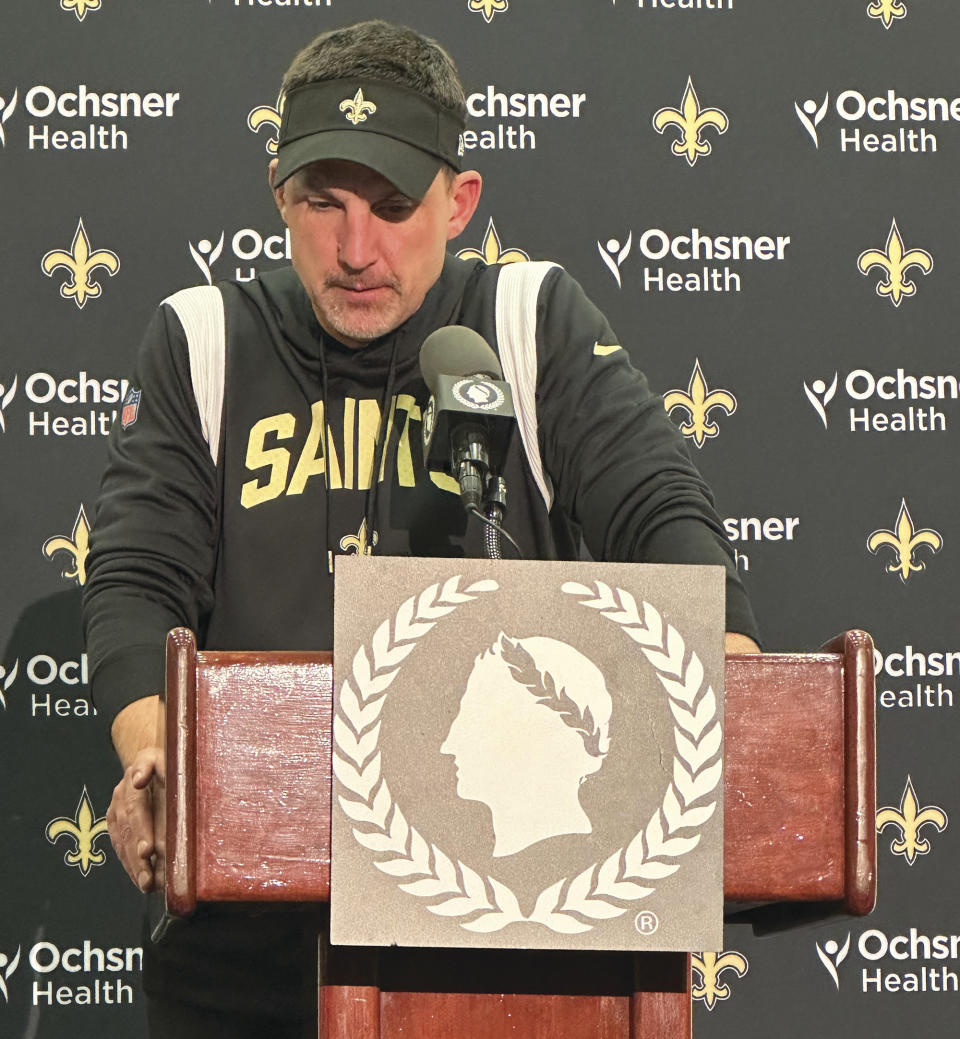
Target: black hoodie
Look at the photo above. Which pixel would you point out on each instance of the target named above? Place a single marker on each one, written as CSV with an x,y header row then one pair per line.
x,y
238,549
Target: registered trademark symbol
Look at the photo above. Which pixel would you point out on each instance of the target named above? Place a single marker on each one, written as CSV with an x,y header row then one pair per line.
x,y
647,922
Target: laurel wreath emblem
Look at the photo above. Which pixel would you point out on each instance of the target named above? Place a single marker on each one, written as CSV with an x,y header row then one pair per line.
x,y
481,903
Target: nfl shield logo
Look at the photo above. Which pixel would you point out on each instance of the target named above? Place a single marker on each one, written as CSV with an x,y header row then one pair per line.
x,y
131,405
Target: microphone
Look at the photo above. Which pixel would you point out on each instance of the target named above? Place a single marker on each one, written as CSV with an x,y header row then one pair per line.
x,y
469,419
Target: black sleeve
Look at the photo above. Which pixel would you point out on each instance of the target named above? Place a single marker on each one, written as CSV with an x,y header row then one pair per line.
x,y
620,468
153,542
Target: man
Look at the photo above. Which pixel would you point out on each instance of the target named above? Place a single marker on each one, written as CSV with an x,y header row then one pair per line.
x,y
277,425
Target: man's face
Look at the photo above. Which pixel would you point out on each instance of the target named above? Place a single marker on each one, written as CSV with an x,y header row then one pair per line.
x,y
366,253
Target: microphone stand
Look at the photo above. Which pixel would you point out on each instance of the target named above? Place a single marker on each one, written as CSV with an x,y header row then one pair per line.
x,y
494,510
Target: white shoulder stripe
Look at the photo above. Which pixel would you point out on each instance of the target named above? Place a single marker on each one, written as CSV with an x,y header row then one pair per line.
x,y
518,288
200,310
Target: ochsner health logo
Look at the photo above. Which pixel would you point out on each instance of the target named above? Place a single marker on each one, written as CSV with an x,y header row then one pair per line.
x,y
820,394
832,955
811,115
205,254
919,959
8,675
8,966
6,395
249,248
7,108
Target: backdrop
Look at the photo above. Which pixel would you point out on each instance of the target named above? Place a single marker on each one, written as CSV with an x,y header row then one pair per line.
x,y
760,194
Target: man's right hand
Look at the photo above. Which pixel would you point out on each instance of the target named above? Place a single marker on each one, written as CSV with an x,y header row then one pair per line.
x,y
131,820
130,816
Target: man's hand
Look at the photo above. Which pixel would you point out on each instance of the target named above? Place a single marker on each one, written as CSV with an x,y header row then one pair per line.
x,y
131,821
130,816
735,643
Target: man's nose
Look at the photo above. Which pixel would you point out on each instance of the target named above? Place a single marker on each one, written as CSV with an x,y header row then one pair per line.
x,y
358,239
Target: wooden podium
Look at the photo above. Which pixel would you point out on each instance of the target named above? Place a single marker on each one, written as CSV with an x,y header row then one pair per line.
x,y
247,818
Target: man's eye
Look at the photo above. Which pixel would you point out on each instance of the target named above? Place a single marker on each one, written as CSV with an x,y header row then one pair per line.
x,y
394,211
320,203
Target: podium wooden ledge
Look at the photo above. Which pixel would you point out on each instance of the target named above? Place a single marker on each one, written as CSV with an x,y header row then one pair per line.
x,y
247,810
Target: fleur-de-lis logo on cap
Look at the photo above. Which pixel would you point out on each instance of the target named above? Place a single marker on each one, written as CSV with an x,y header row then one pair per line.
x,y
909,819
84,829
80,262
492,251
488,8
886,11
699,401
357,108
271,117
81,8
905,540
358,542
7,108
77,546
896,261
709,966
692,120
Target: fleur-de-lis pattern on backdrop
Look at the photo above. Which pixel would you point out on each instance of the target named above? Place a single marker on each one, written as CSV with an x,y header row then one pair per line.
x,y
698,401
887,11
76,547
81,8
80,263
84,829
488,8
905,539
492,251
894,262
692,121
910,819
269,116
707,968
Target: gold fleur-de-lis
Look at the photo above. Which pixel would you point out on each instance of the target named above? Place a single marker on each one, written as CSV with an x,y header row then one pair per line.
x,y
709,966
80,7
909,820
492,251
80,262
488,8
905,540
269,117
886,11
77,545
699,401
896,262
358,542
84,829
356,108
692,120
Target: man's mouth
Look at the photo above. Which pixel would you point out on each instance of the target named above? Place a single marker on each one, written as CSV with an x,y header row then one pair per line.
x,y
362,289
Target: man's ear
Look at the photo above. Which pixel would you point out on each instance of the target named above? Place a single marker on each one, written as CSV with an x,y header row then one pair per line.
x,y
276,189
464,197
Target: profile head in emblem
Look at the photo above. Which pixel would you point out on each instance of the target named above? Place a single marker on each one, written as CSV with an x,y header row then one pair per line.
x,y
534,722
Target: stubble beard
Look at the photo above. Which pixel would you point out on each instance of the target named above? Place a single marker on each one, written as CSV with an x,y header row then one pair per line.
x,y
358,322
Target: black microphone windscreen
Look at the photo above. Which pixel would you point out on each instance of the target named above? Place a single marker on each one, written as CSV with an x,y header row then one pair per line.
x,y
457,350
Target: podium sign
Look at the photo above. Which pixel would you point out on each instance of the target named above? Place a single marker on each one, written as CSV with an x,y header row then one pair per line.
x,y
527,755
